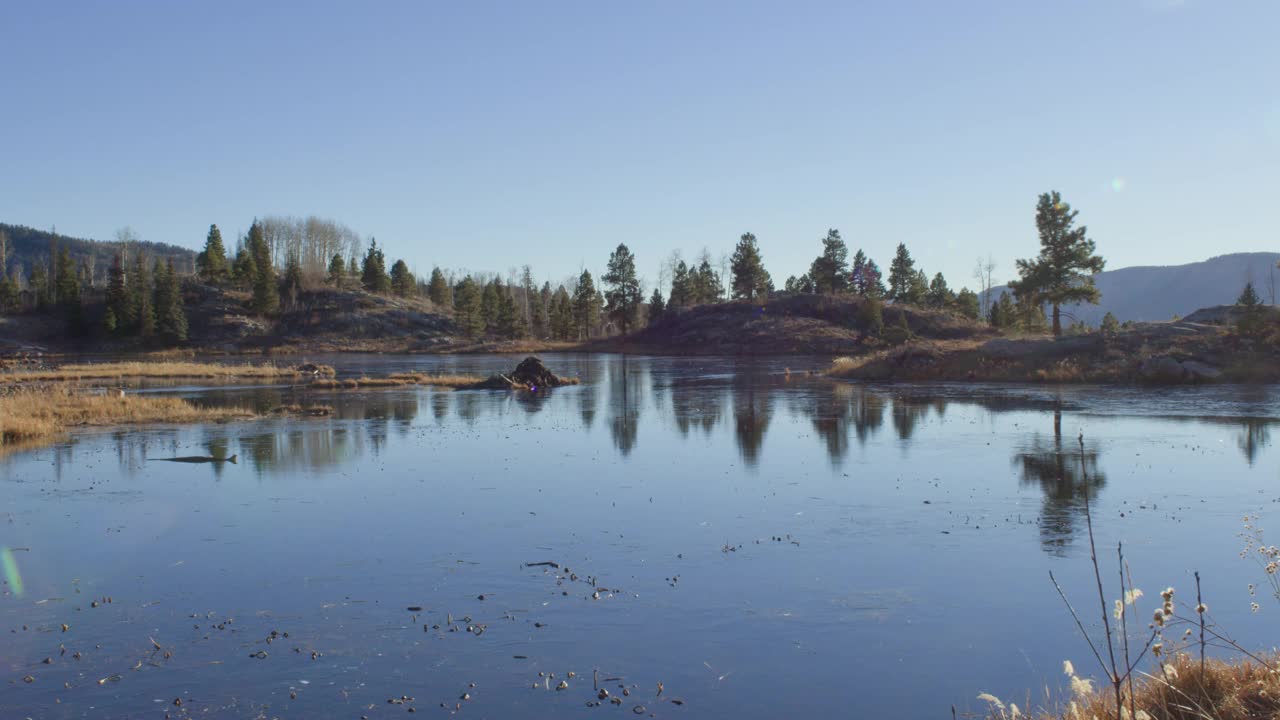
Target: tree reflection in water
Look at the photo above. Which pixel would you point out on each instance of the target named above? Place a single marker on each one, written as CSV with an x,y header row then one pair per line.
x,y
1063,473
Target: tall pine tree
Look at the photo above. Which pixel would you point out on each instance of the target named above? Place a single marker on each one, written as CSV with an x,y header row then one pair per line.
x,y
1063,272
623,293
211,263
750,280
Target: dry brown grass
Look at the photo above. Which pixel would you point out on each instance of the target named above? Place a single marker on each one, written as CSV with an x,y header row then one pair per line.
x,y
36,415
1241,690
398,380
171,369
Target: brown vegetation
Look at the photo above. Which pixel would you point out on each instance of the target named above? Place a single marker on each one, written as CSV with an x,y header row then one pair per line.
x,y
1180,689
397,380
40,414
1154,353
172,369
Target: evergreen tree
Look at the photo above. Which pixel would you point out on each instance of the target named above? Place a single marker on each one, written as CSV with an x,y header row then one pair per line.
x,y
211,263
830,270
623,292
9,293
489,300
373,273
39,282
586,312
563,324
1110,325
1251,321
541,312
67,285
118,306
902,275
337,270
707,287
918,289
266,288
750,280
171,318
967,303
243,270
466,307
858,274
507,321
140,293
293,275
657,308
682,291
438,289
403,283
873,283
939,295
353,267
1063,272
1004,313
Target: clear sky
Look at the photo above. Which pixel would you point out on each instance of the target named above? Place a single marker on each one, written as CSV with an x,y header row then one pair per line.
x,y
485,135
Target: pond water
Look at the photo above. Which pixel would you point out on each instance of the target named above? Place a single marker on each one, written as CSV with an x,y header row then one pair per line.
x,y
761,544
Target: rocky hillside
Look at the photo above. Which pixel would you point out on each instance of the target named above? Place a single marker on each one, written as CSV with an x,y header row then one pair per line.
x,y
28,247
800,324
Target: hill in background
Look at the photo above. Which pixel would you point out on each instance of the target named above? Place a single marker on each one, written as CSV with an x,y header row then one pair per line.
x,y
1159,293
29,247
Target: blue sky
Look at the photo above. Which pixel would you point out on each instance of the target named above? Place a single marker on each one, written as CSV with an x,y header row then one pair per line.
x,y
486,135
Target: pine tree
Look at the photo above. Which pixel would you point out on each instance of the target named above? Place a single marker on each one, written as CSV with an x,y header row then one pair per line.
x,y
858,274
586,311
171,318
438,289
489,300
337,270
657,308
466,308
243,270
403,283
39,286
373,273
1004,313
681,287
266,288
873,283
750,280
939,295
140,293
707,287
623,292
67,285
918,289
902,274
1063,272
1110,325
507,320
118,307
542,312
211,263
871,316
830,270
967,303
1251,320
563,326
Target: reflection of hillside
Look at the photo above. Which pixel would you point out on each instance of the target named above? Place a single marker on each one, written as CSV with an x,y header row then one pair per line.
x,y
1063,475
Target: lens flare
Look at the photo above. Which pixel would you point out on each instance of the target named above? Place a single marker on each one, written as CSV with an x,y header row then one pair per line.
x,y
11,574
1117,184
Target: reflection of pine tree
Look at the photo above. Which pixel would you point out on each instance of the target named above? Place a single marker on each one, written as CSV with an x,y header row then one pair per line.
x,y
1061,472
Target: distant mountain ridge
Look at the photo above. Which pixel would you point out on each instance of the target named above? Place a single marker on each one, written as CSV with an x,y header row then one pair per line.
x,y
29,247
1150,293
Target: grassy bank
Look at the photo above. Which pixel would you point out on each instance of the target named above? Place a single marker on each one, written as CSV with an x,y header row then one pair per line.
x,y
1178,689
166,369
39,415
397,380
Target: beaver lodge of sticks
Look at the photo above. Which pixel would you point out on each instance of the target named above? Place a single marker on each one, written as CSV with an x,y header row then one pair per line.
x,y
530,374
